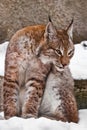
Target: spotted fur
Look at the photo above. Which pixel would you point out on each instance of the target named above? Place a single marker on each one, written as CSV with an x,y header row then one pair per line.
x,y
37,80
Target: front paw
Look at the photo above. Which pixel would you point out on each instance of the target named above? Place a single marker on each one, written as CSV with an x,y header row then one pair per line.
x,y
10,112
28,116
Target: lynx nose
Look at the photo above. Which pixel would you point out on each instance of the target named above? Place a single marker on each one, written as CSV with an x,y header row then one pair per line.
x,y
64,62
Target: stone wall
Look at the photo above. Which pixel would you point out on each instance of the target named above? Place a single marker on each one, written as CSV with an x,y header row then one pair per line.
x,y
15,14
81,93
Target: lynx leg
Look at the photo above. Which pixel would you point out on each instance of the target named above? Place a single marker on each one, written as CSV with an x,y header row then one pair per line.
x,y
71,110
69,106
33,95
11,88
10,99
35,84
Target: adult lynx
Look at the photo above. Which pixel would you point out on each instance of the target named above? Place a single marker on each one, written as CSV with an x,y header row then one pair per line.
x,y
37,79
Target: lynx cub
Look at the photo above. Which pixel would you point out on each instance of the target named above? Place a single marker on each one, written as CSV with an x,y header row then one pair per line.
x,y
37,78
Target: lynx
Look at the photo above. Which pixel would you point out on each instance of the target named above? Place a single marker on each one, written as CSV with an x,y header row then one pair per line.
x,y
37,79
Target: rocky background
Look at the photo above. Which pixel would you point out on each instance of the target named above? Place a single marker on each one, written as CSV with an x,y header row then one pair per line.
x,y
81,93
15,14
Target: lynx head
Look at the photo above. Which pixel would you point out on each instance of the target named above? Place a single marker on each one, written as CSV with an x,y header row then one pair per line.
x,y
58,46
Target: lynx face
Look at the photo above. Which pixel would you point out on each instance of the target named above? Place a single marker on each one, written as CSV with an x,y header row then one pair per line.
x,y
58,47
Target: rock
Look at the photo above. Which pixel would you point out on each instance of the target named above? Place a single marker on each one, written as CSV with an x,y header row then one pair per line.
x,y
15,14
81,93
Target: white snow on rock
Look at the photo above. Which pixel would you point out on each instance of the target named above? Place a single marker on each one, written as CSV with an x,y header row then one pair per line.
x,y
78,64
3,48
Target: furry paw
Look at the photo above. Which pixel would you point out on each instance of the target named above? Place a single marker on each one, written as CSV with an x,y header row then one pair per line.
x,y
28,116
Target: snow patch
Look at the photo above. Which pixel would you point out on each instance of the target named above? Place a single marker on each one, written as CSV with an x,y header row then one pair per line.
x,y
3,48
16,123
78,64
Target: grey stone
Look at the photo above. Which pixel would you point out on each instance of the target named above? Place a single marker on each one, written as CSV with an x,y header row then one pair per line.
x,y
16,14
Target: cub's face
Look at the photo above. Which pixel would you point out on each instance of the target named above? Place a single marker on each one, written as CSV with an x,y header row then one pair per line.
x,y
58,48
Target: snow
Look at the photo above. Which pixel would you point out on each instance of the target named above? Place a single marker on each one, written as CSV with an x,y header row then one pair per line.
x,y
3,48
16,123
78,64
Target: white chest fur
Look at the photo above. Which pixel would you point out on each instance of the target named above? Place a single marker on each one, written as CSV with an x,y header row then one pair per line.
x,y
51,98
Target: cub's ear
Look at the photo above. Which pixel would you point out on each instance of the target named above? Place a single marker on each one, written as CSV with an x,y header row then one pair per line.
x,y
70,30
50,31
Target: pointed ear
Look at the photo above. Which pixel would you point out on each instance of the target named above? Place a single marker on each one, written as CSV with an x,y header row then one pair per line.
x,y
70,30
50,31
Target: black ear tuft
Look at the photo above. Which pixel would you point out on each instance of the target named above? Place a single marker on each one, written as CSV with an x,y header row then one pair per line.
x,y
71,23
49,18
70,29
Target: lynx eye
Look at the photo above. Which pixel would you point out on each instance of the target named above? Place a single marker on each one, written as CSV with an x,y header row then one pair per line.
x,y
58,52
71,52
